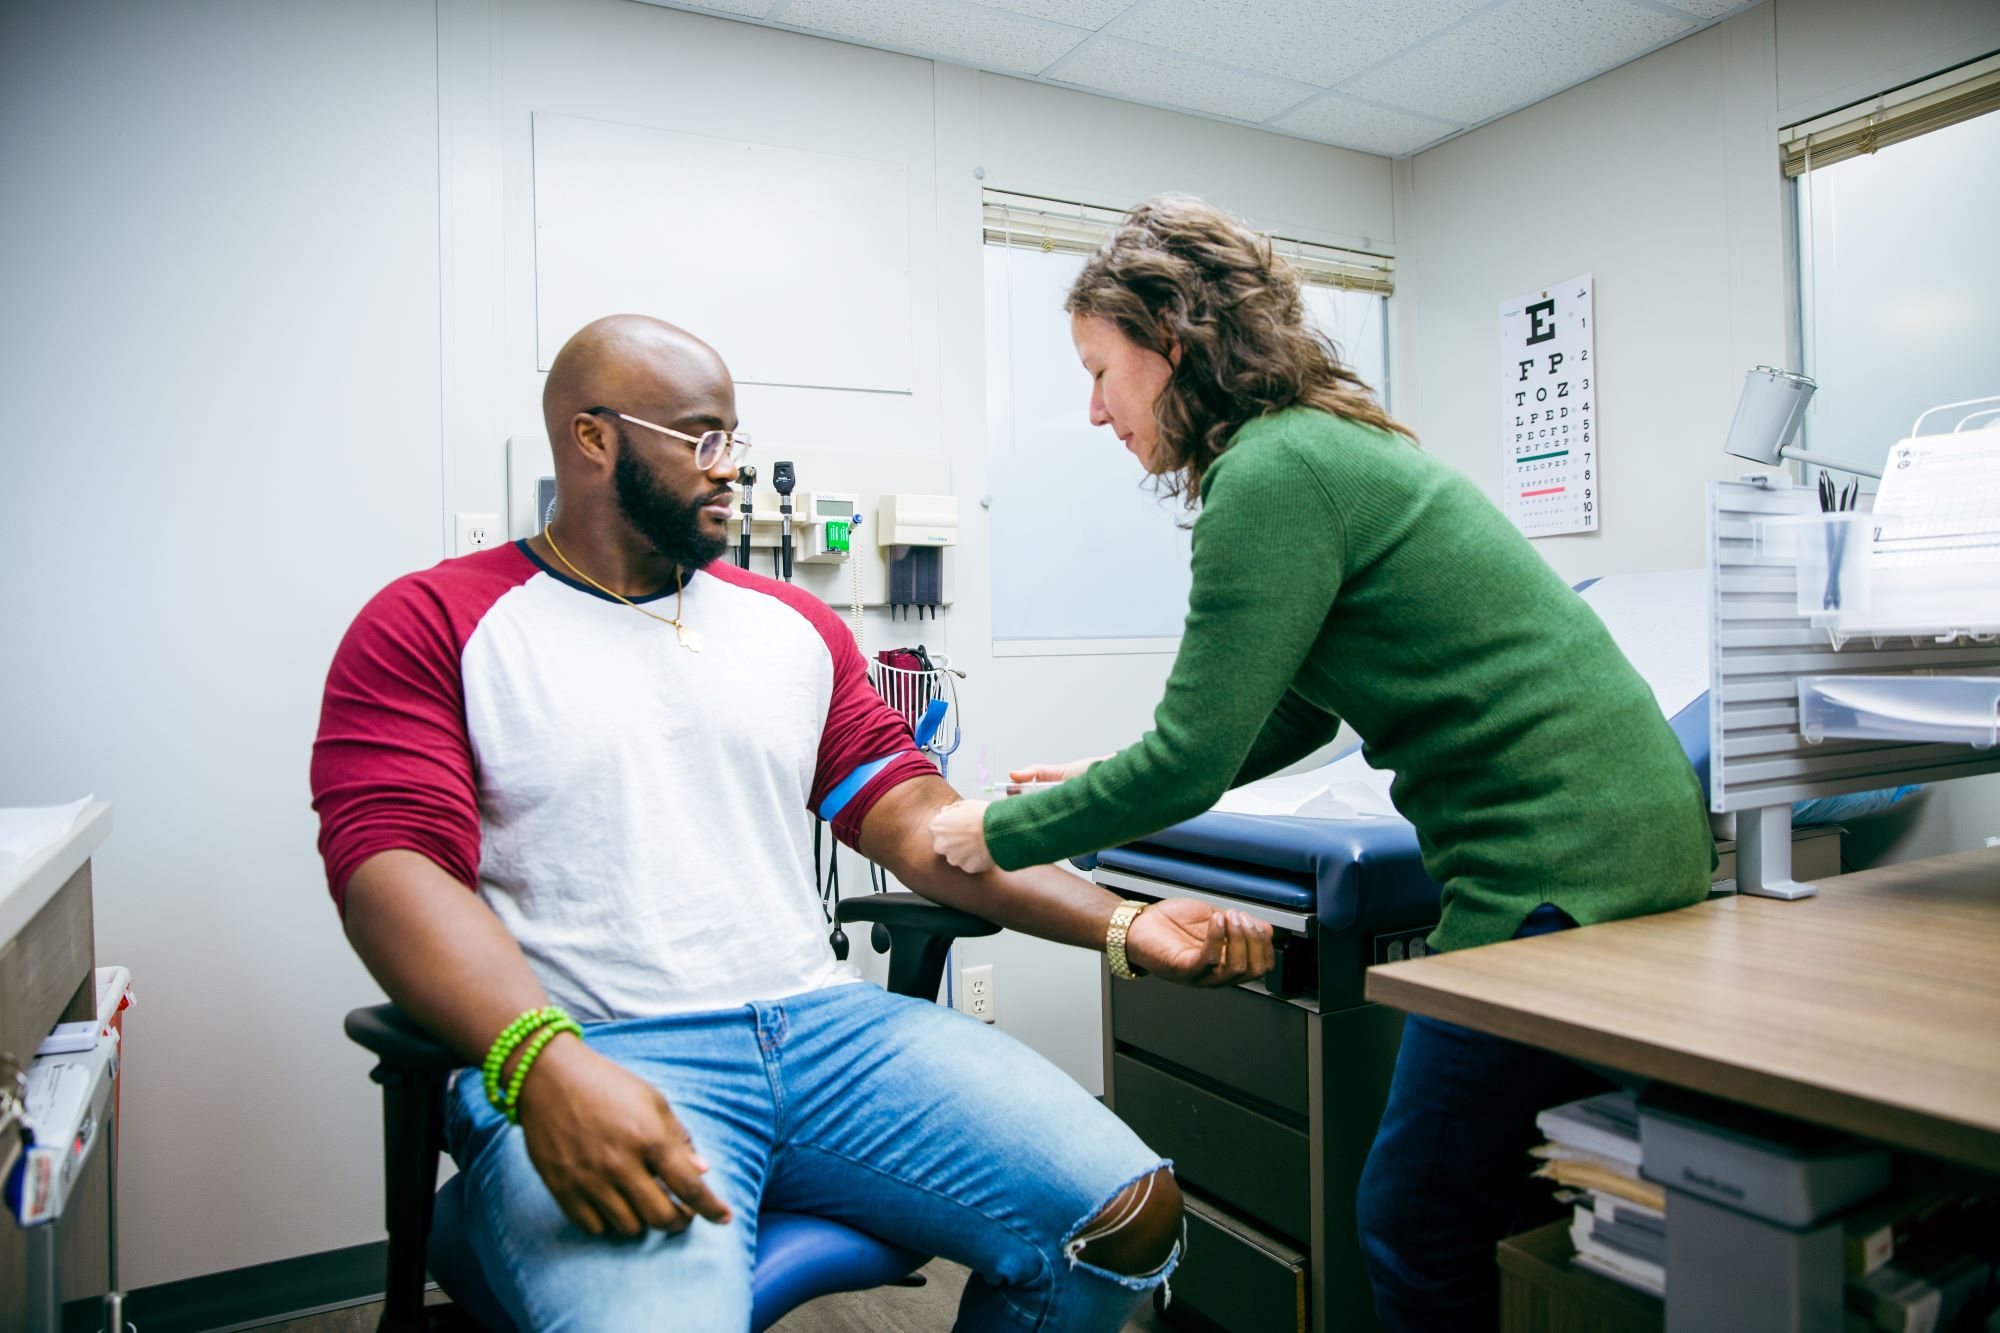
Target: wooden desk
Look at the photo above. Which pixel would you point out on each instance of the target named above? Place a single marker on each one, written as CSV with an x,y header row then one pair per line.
x,y
1873,1007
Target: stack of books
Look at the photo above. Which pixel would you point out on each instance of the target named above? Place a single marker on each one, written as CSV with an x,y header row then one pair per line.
x,y
1920,1259
1620,1224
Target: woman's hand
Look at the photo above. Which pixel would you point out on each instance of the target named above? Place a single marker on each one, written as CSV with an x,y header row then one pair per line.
x,y
1190,942
1053,772
958,834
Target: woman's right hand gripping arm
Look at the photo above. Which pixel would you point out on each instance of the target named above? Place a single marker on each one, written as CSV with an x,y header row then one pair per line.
x,y
604,1140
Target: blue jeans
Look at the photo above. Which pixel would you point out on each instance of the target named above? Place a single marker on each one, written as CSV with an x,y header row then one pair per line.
x,y
1448,1177
909,1121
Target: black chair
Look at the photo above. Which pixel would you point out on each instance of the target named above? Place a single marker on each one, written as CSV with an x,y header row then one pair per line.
x,y
798,1258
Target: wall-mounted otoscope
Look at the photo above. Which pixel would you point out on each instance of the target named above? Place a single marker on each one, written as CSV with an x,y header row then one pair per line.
x,y
782,481
746,477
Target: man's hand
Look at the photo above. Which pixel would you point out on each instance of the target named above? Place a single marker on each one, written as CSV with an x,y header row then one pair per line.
x,y
609,1149
958,834
1190,942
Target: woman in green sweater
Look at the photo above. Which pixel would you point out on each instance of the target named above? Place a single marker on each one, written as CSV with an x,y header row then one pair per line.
x,y
1340,572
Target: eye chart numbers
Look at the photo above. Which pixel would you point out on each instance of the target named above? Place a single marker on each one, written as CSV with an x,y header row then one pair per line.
x,y
1548,422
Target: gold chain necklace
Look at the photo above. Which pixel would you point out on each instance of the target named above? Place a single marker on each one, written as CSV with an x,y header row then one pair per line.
x,y
687,638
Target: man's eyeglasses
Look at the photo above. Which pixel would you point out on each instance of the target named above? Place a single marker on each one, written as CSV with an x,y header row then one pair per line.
x,y
710,447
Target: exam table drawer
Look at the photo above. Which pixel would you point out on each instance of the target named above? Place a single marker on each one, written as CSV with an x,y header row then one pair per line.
x,y
1237,1278
1251,1162
1239,1038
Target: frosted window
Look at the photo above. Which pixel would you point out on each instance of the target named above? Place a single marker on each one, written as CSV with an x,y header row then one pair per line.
x,y
1898,275
1083,547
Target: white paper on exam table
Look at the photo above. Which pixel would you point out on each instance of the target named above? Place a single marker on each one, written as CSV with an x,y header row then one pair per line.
x,y
1660,622
28,831
1344,789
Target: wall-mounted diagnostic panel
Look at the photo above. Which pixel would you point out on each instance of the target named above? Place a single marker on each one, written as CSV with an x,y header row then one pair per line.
x,y
852,512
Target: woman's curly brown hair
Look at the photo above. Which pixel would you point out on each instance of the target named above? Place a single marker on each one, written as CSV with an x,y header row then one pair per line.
x,y
1179,273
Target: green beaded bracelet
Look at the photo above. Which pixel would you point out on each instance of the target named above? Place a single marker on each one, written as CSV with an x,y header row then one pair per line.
x,y
503,1046
535,1044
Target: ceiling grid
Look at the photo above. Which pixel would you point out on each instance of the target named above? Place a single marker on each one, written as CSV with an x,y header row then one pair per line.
x,y
1391,77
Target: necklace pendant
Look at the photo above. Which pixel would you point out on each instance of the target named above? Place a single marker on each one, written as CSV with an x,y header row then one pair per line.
x,y
689,639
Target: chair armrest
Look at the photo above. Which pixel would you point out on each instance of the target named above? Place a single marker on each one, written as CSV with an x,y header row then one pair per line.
x,y
920,936
908,911
390,1033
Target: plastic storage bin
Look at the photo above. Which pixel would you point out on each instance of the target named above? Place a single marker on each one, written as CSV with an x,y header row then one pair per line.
x,y
1963,709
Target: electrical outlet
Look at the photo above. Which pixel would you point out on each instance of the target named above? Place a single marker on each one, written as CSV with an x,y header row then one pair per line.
x,y
975,992
476,532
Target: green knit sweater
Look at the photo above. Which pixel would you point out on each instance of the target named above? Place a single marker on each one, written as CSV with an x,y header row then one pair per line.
x,y
1340,571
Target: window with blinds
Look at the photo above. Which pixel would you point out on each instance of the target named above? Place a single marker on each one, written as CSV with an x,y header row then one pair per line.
x,y
1055,227
1920,108
1896,262
1070,512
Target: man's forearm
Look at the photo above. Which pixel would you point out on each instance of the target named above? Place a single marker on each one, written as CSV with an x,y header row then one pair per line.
x,y
1042,900
438,951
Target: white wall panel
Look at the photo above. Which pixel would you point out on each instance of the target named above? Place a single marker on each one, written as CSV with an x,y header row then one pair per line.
x,y
219,393
1835,52
794,264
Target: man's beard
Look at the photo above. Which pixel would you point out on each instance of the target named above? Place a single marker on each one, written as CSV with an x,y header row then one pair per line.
x,y
671,524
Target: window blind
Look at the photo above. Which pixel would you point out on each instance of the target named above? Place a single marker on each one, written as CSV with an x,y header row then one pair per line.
x,y
1930,104
1052,226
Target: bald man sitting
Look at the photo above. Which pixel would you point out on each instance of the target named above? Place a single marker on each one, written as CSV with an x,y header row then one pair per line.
x,y
571,772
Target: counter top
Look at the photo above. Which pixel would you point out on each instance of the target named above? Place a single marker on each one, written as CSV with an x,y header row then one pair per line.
x,y
30,889
1873,1007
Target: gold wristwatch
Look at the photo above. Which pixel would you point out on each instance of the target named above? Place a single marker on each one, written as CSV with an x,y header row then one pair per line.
x,y
1122,917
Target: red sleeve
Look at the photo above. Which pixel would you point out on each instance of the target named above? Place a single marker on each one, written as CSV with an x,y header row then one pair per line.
x,y
860,728
392,766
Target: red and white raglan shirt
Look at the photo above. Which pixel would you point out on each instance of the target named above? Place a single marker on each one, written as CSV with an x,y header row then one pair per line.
x,y
636,814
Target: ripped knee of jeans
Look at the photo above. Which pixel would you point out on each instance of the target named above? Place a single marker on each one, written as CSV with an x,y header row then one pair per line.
x,y
1136,1234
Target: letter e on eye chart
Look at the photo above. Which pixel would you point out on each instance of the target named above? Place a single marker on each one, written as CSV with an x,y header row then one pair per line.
x,y
1548,418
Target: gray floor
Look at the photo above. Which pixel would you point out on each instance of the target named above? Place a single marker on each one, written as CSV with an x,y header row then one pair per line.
x,y
925,1309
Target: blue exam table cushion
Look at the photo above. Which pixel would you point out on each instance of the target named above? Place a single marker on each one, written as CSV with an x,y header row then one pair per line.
x,y
1359,873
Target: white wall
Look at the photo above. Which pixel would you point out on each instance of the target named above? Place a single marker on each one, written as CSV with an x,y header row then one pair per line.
x,y
270,320
1660,178
1652,178
1832,53
219,371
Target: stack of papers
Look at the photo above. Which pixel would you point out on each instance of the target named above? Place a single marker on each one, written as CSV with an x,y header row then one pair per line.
x,y
1937,565
1620,1223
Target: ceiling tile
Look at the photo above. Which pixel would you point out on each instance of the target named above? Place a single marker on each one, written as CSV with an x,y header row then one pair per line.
x,y
1313,41
964,34
1515,54
1091,14
1372,129
1709,9
1143,74
754,9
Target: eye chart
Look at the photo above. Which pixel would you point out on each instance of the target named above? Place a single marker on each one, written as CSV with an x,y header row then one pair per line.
x,y
1548,456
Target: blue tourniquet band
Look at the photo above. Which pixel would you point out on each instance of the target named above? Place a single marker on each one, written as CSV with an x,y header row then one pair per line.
x,y
837,799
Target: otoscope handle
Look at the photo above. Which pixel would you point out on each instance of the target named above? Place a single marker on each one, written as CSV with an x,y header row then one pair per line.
x,y
746,477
